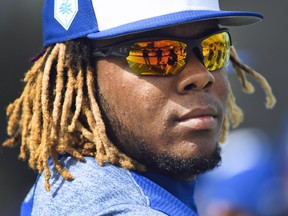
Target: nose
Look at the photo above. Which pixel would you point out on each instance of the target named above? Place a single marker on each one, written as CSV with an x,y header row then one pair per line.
x,y
194,77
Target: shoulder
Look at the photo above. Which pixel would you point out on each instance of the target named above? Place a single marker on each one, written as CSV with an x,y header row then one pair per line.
x,y
94,189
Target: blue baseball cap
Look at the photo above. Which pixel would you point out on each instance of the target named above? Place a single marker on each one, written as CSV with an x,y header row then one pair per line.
x,y
100,19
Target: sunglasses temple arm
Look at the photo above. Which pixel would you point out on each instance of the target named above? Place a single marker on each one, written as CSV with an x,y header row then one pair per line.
x,y
104,52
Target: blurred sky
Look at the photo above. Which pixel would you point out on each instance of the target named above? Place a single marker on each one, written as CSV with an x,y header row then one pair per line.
x,y
21,38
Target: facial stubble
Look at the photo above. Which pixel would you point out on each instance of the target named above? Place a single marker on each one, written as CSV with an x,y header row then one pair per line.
x,y
138,148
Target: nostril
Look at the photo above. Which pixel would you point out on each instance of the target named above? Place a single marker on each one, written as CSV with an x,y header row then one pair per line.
x,y
208,85
190,87
195,86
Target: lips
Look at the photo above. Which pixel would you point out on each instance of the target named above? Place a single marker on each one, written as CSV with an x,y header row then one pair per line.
x,y
199,119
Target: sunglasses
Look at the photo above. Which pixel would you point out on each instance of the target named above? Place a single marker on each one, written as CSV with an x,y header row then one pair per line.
x,y
167,56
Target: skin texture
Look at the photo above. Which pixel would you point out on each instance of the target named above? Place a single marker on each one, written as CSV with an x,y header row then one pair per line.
x,y
171,124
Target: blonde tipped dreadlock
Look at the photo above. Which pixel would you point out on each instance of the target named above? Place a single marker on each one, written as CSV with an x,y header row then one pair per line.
x,y
235,114
57,112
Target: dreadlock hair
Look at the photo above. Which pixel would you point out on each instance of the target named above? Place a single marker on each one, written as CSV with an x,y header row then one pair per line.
x,y
57,112
234,114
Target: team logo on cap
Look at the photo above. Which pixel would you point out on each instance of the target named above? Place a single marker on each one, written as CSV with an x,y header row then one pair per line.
x,y
65,12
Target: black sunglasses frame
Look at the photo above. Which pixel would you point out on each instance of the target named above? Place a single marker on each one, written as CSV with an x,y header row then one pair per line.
x,y
122,49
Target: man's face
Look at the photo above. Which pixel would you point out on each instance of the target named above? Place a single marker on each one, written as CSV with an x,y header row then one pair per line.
x,y
171,124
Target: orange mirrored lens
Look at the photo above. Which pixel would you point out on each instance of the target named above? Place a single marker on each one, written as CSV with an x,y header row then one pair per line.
x,y
167,57
162,57
216,51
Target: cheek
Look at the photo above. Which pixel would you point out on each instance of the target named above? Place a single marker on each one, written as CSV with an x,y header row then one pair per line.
x,y
134,100
112,86
221,87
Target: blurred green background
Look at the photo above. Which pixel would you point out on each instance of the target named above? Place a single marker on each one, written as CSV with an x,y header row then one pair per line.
x,y
21,38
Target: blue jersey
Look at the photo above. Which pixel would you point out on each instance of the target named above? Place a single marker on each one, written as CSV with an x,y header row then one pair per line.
x,y
109,190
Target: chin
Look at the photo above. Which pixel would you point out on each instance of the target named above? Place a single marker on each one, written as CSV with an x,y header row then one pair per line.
x,y
195,148
184,166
